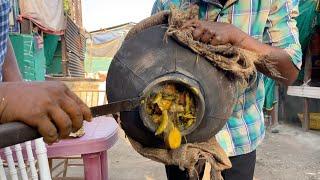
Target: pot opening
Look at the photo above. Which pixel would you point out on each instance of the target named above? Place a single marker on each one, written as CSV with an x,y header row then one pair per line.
x,y
174,103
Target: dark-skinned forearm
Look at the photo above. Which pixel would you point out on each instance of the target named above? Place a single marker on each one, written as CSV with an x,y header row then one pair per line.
x,y
282,60
10,67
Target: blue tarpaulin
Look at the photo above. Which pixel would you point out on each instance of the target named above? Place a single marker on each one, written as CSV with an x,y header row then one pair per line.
x,y
104,38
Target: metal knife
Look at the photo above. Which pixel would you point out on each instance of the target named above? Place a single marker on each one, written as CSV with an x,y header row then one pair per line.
x,y
124,105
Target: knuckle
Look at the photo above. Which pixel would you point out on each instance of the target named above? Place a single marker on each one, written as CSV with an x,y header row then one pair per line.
x,y
38,117
36,113
64,86
48,102
59,88
77,113
63,100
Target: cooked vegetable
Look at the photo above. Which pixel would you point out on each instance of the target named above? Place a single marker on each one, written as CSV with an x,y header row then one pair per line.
x,y
173,139
172,109
169,97
164,122
188,116
157,98
164,104
176,108
189,123
156,118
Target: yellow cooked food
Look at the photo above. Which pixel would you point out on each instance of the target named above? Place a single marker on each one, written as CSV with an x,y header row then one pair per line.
x,y
164,122
172,109
173,139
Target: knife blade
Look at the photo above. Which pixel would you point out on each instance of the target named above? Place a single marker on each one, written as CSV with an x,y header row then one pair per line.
x,y
124,105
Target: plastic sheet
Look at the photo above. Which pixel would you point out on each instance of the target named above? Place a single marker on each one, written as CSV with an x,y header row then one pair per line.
x,y
307,20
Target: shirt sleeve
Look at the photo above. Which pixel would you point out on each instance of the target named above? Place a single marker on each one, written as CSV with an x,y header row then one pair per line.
x,y
281,30
4,27
157,7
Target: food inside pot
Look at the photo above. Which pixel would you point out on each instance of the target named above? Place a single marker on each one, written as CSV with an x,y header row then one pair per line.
x,y
172,109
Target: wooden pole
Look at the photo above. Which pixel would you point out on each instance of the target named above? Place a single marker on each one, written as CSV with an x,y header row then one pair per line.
x,y
64,59
306,118
307,77
276,107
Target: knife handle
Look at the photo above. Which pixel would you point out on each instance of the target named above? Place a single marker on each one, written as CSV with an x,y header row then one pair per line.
x,y
15,133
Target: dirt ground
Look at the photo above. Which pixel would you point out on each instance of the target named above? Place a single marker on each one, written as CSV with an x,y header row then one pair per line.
x,y
289,155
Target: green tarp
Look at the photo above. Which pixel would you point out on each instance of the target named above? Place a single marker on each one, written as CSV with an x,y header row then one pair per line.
x,y
95,64
50,46
52,50
307,20
31,60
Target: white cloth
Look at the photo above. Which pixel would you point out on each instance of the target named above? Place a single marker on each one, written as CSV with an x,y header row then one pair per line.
x,y
46,14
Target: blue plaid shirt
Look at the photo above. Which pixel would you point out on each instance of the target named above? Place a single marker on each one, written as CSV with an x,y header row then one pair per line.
x,y
269,21
4,31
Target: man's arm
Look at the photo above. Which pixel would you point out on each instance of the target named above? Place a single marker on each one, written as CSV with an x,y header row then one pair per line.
x,y
280,57
10,67
281,34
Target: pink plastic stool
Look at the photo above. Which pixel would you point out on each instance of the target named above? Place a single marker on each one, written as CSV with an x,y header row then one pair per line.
x,y
100,135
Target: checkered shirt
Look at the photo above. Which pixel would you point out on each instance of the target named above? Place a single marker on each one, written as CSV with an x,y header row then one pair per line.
x,y
4,30
269,21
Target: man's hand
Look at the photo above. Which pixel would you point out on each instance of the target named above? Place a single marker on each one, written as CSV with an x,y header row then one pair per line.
x,y
48,106
214,33
217,33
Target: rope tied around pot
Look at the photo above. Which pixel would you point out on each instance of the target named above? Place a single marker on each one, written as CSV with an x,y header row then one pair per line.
x,y
240,63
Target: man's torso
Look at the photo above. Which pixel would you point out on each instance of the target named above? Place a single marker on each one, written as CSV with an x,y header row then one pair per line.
x,y
245,129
